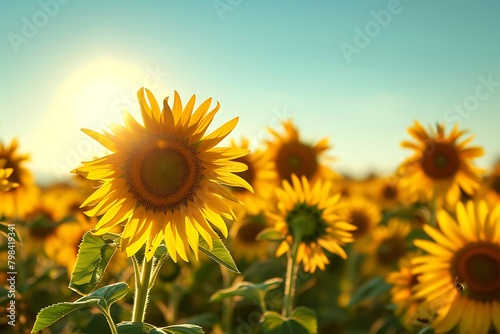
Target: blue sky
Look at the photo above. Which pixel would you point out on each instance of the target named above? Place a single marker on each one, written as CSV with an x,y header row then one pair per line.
x,y
358,72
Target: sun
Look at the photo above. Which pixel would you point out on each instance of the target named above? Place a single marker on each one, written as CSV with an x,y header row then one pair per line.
x,y
94,95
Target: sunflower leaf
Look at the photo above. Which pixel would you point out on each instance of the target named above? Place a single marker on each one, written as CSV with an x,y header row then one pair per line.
x,y
94,254
128,327
274,323
101,298
270,234
307,318
250,291
219,254
183,329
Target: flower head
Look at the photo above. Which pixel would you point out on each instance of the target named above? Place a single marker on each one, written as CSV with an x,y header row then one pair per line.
x,y
310,213
165,178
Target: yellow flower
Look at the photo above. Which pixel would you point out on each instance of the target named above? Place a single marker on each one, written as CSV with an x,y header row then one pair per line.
x,y
5,173
292,156
62,244
440,166
387,192
165,178
244,243
387,247
260,175
308,211
364,215
17,201
491,187
465,257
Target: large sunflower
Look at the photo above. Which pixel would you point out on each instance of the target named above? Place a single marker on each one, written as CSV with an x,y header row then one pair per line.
x,y
465,257
311,212
291,155
260,175
165,178
17,201
441,165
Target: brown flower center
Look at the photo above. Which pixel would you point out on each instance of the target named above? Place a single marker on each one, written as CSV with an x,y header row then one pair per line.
x,y
296,158
247,175
390,192
163,173
495,184
391,250
361,220
478,267
441,161
253,225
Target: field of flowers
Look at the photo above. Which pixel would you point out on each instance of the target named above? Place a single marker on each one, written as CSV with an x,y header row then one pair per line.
x,y
174,232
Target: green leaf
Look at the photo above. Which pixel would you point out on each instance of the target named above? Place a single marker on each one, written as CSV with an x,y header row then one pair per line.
x,y
101,298
274,323
250,291
219,254
94,254
183,329
270,234
370,289
128,327
307,318
4,230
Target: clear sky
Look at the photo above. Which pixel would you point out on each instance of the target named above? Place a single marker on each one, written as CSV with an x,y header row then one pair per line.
x,y
358,72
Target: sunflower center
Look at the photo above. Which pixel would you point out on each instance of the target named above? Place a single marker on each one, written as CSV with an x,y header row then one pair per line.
x,y
478,267
296,158
495,185
307,221
163,173
247,175
252,227
390,250
441,162
390,192
361,221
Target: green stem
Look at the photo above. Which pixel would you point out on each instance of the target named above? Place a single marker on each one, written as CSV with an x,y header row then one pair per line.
x,y
160,263
291,276
142,291
110,322
227,302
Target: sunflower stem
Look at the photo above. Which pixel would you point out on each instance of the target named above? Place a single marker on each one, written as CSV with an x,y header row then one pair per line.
x,y
110,322
227,302
142,290
291,275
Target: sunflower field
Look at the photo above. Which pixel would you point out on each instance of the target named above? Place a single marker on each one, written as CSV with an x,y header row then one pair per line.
x,y
173,231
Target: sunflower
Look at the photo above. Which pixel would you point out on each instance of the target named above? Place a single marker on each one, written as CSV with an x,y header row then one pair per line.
x,y
364,214
62,244
291,156
20,200
387,192
310,212
491,187
440,166
465,258
260,175
387,247
5,173
165,178
244,243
